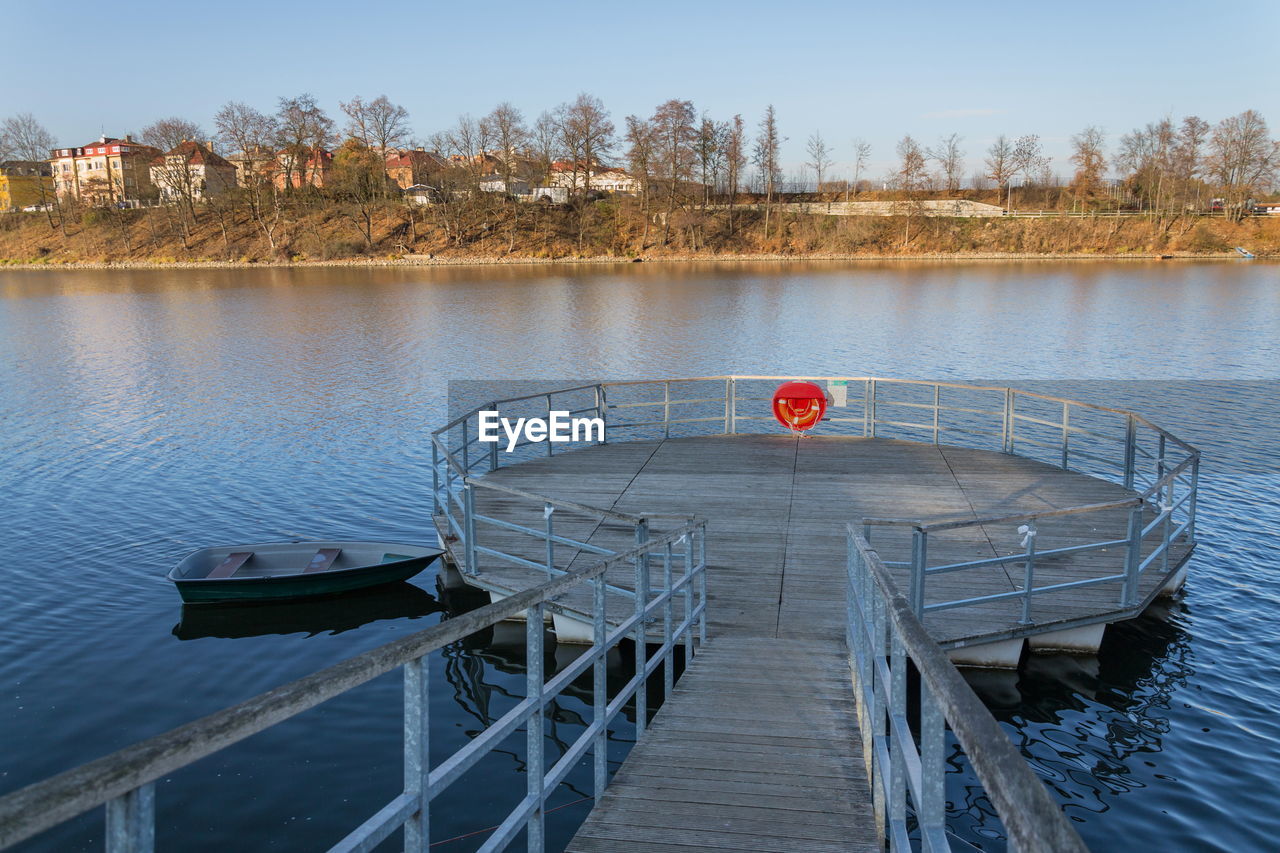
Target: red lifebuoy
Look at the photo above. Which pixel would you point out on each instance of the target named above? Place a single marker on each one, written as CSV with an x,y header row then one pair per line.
x,y
799,406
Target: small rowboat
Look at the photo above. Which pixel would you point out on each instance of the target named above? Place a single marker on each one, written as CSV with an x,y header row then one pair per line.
x,y
277,571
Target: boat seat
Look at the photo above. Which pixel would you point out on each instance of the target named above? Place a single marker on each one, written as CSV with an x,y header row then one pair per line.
x,y
322,560
394,558
230,565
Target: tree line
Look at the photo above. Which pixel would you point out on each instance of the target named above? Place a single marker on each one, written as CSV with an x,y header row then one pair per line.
x,y
698,175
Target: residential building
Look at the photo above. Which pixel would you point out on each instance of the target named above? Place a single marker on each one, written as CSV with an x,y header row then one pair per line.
x,y
603,178
192,171
303,167
256,166
412,167
24,183
108,171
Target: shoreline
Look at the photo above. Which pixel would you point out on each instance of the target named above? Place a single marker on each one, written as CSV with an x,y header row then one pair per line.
x,y
494,260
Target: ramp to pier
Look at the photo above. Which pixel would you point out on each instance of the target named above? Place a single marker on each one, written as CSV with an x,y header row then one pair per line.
x,y
757,748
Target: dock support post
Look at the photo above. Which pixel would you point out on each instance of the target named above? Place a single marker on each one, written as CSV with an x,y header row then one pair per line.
x,y
131,821
878,694
642,608
869,410
1132,558
898,729
1007,437
1191,501
1066,433
688,598
534,740
493,448
417,753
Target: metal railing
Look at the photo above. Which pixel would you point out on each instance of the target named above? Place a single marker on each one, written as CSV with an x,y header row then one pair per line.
x,y
1104,442
125,781
907,764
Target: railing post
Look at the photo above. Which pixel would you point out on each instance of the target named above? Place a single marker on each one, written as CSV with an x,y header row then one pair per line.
x,y
877,693
702,584
1132,557
535,738
642,608
469,526
550,444
548,513
1066,433
435,480
1160,459
466,465
919,557
669,657
417,753
493,448
1130,449
1028,572
897,729
599,686
1009,420
602,411
937,389
131,821
1191,501
931,811
688,596
869,430
666,410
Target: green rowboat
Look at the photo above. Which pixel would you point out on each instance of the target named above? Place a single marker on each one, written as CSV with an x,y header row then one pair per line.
x,y
280,571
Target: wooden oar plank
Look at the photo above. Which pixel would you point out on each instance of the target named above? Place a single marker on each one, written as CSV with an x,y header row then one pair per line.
x,y
230,565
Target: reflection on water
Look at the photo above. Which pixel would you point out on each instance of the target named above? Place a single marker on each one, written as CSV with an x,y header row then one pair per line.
x,y
333,615
1086,724
146,414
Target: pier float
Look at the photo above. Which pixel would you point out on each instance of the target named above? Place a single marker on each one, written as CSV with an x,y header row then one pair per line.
x,y
1012,519
762,560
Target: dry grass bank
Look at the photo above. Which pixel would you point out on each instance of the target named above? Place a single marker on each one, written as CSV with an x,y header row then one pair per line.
x,y
311,232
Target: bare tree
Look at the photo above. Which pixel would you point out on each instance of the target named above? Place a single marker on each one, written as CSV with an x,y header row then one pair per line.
x,y
22,137
545,143
735,158
910,177
767,149
710,147
379,124
1147,155
304,130
1243,158
506,128
1090,161
950,159
252,135
819,157
1001,167
168,133
674,139
861,156
639,138
587,136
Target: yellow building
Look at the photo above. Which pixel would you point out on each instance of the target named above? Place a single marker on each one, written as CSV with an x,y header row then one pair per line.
x,y
24,183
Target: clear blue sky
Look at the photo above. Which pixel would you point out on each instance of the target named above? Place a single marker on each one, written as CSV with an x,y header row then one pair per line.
x,y
875,70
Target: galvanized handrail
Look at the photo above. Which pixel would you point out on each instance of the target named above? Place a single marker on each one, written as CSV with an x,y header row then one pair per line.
x,y
124,781
883,635
1175,463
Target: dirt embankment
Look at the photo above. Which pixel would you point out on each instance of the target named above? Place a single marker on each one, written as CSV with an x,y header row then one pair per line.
x,y
605,231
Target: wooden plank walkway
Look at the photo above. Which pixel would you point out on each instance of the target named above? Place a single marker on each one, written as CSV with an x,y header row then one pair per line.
x,y
757,749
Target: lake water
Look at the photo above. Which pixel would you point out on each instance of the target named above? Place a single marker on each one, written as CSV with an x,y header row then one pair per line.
x,y
146,414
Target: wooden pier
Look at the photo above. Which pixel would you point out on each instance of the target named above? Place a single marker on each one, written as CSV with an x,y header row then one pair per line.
x,y
758,747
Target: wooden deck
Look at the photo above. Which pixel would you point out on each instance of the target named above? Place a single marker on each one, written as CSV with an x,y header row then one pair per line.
x,y
776,507
756,749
